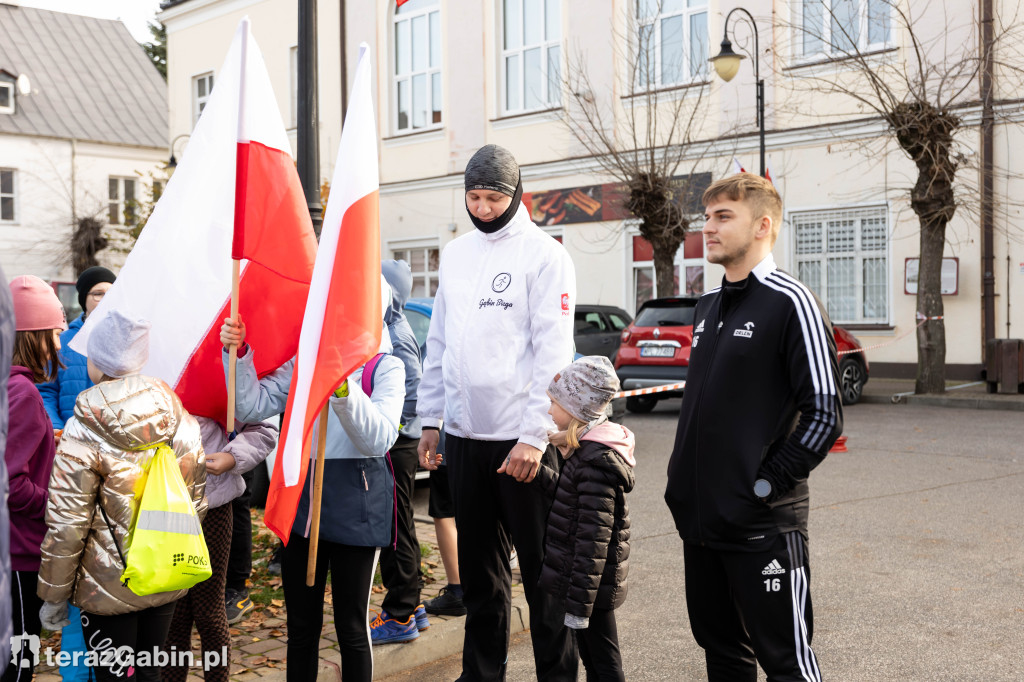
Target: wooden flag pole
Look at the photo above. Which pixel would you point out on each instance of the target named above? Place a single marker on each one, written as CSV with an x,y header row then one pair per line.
x,y
318,489
233,349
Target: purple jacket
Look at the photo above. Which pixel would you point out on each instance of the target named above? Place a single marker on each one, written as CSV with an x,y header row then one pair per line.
x,y
29,457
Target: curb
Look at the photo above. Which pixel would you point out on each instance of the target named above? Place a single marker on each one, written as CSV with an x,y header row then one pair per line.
x,y
443,639
945,401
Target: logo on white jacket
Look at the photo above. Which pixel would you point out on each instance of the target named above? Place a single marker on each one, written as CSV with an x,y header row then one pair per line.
x,y
745,333
774,568
501,282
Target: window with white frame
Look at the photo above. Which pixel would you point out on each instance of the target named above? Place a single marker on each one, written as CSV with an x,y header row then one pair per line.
x,y
8,203
293,75
6,97
416,86
838,28
202,86
672,42
689,269
425,262
531,58
842,255
121,204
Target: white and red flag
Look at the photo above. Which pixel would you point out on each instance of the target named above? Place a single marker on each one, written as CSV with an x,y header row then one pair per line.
x,y
737,167
235,191
342,326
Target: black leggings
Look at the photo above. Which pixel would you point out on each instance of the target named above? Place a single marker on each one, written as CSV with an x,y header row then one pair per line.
x,y
599,648
142,632
25,607
351,579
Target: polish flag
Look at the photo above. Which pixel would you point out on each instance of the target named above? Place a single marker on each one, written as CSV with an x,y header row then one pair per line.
x,y
235,192
342,326
737,167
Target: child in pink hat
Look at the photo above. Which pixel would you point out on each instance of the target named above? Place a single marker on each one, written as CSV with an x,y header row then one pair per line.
x,y
39,320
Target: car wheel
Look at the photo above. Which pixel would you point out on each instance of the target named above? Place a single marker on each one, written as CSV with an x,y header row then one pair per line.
x,y
851,380
641,404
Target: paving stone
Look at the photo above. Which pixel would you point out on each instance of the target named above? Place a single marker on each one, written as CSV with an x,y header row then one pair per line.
x,y
261,646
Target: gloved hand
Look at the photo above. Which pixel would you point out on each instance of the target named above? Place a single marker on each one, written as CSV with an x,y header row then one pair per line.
x,y
54,615
576,622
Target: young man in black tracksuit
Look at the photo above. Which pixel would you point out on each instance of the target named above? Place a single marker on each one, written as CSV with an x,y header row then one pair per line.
x,y
761,409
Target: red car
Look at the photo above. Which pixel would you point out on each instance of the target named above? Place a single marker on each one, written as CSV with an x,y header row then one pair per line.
x,y
655,351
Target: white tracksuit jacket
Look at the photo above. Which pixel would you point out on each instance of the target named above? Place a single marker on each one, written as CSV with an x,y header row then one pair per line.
x,y
501,328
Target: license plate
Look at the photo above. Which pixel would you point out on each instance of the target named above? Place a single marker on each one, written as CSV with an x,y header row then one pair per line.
x,y
657,351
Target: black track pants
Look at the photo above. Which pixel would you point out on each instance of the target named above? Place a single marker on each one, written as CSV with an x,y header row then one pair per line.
x,y
400,567
599,648
753,607
492,511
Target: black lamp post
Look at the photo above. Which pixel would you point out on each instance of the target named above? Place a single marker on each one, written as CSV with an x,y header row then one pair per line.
x,y
308,162
727,63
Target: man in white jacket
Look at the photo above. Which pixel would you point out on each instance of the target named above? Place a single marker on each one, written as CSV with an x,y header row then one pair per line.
x,y
501,328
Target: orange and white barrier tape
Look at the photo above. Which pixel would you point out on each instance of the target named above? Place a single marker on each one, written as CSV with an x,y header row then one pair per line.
x,y
921,320
648,391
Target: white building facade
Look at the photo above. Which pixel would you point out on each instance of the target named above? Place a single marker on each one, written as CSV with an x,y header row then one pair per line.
x,y
83,133
453,75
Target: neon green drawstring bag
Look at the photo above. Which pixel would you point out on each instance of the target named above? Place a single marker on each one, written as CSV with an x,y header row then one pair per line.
x,y
166,550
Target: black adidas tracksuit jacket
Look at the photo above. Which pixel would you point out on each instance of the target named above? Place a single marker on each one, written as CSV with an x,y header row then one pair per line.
x,y
761,401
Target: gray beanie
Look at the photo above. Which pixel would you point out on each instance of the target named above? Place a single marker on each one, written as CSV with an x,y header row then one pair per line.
x,y
493,168
585,387
119,345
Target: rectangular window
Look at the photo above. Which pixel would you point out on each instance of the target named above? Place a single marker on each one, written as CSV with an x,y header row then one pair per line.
x,y
121,201
6,98
672,42
425,263
689,269
838,28
8,203
202,86
417,75
531,55
843,257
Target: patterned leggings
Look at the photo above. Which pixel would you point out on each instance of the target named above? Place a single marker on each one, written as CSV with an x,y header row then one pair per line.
x,y
204,604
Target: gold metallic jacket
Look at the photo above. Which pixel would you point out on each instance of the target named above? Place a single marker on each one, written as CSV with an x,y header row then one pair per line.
x,y
98,465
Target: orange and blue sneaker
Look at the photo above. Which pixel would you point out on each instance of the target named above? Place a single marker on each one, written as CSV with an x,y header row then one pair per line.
x,y
422,620
387,630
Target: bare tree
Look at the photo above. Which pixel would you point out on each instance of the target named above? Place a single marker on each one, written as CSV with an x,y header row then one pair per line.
x,y
922,95
644,141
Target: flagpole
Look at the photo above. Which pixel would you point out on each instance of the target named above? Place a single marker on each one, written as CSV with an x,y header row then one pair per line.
x,y
239,221
318,489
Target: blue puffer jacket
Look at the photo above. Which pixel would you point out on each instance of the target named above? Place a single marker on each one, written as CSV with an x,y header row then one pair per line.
x,y
59,396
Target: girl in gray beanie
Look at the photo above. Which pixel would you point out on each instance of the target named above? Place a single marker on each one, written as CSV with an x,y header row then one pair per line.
x,y
586,548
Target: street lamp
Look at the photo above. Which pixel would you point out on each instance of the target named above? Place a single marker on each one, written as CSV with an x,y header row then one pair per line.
x,y
727,64
173,162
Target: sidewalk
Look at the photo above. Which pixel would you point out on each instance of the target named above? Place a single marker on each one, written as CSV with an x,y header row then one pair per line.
x,y
259,644
962,394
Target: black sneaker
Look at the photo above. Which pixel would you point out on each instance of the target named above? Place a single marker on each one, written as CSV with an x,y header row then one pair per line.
x,y
238,605
446,603
274,565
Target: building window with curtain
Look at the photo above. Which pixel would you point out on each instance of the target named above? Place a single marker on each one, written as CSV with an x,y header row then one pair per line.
x,y
839,28
671,43
842,255
531,58
416,85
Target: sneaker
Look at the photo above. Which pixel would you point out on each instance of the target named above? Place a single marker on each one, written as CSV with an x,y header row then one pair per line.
x,y
513,560
274,566
446,603
238,605
385,630
422,621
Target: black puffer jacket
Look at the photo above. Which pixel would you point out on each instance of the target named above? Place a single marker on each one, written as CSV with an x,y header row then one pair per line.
x,y
587,545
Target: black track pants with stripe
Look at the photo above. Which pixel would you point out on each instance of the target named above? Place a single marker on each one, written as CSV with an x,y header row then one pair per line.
x,y
753,607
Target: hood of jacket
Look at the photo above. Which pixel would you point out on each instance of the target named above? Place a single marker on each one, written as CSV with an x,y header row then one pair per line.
x,y
399,276
132,413
615,436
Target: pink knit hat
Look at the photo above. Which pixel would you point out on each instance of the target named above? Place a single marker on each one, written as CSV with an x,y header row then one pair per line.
x,y
35,305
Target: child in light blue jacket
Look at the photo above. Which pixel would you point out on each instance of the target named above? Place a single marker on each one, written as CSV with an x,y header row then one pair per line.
x,y
357,511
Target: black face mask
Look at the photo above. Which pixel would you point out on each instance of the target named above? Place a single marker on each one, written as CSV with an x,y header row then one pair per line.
x,y
502,220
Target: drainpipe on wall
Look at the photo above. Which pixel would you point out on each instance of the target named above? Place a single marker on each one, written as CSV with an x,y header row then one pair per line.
x,y
344,65
988,276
